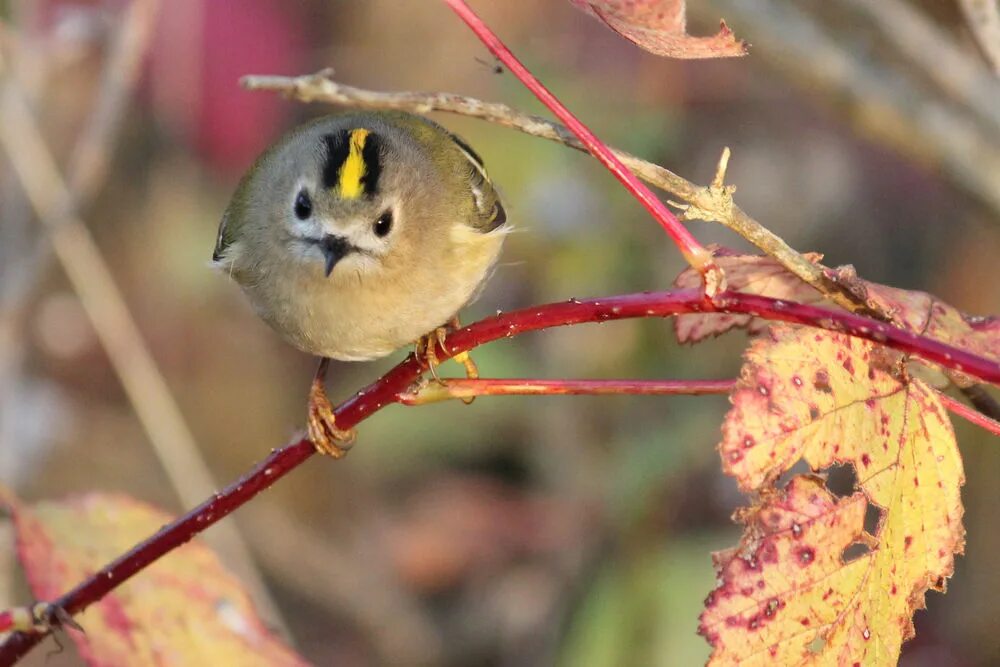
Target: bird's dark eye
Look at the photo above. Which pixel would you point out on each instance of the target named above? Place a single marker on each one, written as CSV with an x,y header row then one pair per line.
x,y
384,224
303,205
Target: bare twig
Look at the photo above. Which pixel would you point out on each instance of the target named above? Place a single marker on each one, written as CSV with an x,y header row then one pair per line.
x,y
172,440
983,17
88,164
432,392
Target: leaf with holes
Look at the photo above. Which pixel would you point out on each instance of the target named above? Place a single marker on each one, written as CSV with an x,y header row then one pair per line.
x,y
787,586
754,274
660,27
182,610
831,399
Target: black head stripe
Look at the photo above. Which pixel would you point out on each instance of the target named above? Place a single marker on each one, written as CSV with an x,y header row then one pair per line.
x,y
473,155
372,156
337,148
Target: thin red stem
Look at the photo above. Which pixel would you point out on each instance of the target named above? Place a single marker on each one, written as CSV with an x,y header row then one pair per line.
x,y
689,246
386,390
971,414
469,388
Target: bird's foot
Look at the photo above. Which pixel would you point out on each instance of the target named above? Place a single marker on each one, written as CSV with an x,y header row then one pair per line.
x,y
322,426
426,349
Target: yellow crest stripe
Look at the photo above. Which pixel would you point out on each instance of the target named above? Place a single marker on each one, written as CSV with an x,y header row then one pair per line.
x,y
354,168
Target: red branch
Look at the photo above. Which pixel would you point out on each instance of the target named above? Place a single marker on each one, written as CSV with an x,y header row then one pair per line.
x,y
386,390
693,251
462,388
971,414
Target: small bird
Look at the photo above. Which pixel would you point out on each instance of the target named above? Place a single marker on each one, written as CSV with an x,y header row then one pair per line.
x,y
357,234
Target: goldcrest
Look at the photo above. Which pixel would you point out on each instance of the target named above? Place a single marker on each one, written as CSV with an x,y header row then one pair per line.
x,y
357,234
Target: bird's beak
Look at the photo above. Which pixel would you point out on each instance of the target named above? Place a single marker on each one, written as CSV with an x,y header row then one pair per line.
x,y
334,249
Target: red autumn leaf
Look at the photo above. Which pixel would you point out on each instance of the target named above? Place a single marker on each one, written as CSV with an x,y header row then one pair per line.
x,y
660,27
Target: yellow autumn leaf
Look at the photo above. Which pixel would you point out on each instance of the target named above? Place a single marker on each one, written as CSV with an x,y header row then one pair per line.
x,y
828,398
786,589
181,610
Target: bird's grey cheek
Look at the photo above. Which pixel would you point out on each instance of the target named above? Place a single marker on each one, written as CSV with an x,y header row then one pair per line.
x,y
306,253
304,228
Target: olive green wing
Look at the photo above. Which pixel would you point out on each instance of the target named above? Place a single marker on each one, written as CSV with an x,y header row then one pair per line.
x,y
490,213
457,157
223,239
235,215
229,227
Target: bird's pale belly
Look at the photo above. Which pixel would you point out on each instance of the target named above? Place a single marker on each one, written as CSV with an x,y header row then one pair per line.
x,y
354,324
353,319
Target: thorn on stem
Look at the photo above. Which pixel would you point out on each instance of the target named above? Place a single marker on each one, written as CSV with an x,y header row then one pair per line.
x,y
714,202
720,170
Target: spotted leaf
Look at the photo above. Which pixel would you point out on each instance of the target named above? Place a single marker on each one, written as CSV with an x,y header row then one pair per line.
x,y
827,398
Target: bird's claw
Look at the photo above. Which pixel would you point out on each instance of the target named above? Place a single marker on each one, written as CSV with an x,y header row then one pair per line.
x,y
426,349
322,428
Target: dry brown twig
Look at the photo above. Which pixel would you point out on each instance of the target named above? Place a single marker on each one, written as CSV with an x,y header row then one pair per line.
x,y
55,203
712,203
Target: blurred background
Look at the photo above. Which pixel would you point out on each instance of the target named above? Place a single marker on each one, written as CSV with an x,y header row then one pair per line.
x,y
515,531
